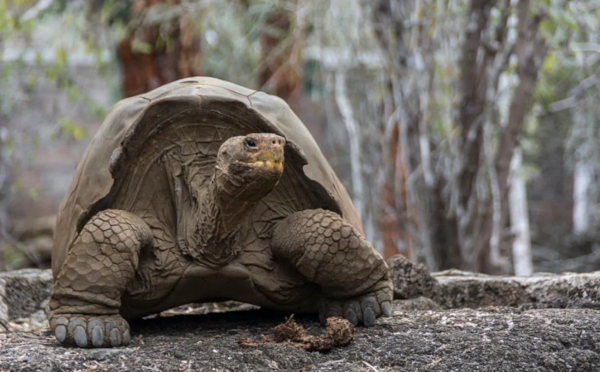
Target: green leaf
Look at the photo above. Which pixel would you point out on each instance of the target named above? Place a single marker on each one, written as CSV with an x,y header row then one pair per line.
x,y
60,56
34,194
547,26
31,79
38,59
71,129
139,46
549,63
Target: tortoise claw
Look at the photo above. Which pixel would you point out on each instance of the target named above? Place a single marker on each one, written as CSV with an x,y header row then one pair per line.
x,y
91,331
363,309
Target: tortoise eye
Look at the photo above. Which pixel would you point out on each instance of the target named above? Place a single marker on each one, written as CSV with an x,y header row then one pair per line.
x,y
250,144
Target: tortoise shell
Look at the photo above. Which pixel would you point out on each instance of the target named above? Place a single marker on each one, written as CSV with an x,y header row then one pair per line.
x,y
152,145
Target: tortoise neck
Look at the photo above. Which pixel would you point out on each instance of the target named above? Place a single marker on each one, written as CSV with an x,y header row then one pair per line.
x,y
229,210
217,217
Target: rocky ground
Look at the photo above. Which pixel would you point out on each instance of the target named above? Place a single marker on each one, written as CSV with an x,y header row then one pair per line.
x,y
468,323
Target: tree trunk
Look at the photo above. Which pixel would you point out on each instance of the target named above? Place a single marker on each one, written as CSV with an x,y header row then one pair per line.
x,y
581,200
394,219
471,226
584,142
157,54
343,103
5,180
281,48
521,246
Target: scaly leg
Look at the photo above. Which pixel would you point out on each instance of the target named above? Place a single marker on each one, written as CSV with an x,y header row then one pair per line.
x,y
332,254
85,300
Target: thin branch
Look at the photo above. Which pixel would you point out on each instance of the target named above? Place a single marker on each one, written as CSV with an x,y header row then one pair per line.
x,y
35,10
575,93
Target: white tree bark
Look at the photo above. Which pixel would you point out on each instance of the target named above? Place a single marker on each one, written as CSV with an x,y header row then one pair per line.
x,y
581,197
519,218
347,112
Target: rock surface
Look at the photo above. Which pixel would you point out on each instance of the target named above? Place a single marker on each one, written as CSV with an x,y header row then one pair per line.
x,y
457,289
410,279
491,339
24,292
465,322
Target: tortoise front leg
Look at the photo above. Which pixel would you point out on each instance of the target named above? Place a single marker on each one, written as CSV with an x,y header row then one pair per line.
x,y
334,255
86,298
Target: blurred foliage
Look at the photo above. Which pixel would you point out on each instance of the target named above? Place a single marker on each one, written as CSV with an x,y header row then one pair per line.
x,y
230,37
25,66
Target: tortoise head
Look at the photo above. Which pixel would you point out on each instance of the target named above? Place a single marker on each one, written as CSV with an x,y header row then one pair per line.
x,y
249,167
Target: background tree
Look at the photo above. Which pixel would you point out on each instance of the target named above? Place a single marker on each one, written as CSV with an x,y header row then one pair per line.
x,y
438,116
279,71
458,170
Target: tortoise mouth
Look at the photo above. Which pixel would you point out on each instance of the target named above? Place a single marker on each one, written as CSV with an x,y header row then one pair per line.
x,y
265,155
258,161
270,164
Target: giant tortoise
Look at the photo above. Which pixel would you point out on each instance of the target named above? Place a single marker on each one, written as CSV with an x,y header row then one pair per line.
x,y
202,190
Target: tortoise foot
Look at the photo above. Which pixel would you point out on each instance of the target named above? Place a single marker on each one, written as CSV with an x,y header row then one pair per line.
x,y
364,309
91,331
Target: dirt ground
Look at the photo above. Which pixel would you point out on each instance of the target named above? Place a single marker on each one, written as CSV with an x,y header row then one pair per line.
x,y
486,339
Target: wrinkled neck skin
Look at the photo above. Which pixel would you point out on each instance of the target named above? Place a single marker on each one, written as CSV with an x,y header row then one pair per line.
x,y
223,206
231,203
